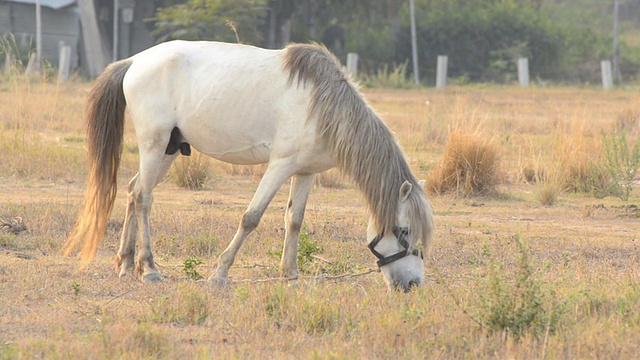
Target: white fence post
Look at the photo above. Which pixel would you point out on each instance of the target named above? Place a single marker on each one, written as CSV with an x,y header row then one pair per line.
x,y
352,64
32,65
441,74
9,61
64,63
523,72
607,79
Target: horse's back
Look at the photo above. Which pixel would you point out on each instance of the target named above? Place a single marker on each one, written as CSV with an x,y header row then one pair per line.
x,y
232,102
186,67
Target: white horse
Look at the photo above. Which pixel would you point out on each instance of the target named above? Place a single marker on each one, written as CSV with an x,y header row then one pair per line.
x,y
294,109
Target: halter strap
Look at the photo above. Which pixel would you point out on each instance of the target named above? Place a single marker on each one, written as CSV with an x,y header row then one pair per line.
x,y
401,234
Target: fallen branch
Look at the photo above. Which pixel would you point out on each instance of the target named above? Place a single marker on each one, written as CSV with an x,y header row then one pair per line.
x,y
317,277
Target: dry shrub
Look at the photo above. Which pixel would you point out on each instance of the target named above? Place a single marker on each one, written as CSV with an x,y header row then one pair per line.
x,y
547,193
531,167
470,166
329,179
528,174
191,171
575,156
256,171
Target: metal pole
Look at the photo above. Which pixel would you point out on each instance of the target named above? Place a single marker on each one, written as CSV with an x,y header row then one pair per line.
x,y
414,46
38,35
116,22
616,46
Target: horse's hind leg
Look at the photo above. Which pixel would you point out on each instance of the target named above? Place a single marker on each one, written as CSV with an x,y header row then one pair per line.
x,y
124,258
293,218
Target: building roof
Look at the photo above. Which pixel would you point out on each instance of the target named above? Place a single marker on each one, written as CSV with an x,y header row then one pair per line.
x,y
54,4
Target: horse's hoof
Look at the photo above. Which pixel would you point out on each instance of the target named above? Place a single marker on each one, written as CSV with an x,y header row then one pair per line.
x,y
218,283
125,270
290,275
152,278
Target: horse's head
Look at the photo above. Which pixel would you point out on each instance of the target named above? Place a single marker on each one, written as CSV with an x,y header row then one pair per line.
x,y
400,251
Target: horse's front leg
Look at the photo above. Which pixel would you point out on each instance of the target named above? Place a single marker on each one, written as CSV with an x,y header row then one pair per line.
x,y
293,218
276,174
125,258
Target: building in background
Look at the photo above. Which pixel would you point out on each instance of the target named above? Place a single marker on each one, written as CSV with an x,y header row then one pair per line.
x,y
86,25
60,24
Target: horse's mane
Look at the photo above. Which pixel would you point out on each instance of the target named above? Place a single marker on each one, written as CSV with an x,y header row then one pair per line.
x,y
363,146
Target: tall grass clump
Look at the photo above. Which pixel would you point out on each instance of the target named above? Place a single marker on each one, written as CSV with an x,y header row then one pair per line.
x,y
144,342
191,172
314,312
394,78
548,184
576,156
329,179
628,121
470,166
547,193
517,303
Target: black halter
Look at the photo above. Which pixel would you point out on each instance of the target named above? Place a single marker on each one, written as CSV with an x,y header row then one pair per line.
x,y
401,234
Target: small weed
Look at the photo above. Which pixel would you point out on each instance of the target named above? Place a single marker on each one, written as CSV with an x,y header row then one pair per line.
x,y
276,305
76,288
190,270
319,316
486,250
186,306
307,248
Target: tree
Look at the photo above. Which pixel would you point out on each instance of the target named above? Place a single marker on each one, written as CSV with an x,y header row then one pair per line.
x,y
220,20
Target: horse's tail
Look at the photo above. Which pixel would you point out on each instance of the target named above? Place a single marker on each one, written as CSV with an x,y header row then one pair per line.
x,y
105,132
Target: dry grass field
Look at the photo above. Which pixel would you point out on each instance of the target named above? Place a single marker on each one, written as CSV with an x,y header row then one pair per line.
x,y
533,267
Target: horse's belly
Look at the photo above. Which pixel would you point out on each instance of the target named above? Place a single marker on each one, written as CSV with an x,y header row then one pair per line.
x,y
247,155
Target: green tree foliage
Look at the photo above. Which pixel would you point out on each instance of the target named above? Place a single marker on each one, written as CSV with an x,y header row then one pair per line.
x,y
484,39
221,20
564,40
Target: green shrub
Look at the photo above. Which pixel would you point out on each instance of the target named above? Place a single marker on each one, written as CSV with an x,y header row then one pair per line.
x,y
621,163
189,268
307,248
521,305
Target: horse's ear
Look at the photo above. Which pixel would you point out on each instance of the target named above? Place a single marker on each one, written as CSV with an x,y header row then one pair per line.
x,y
405,190
421,183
